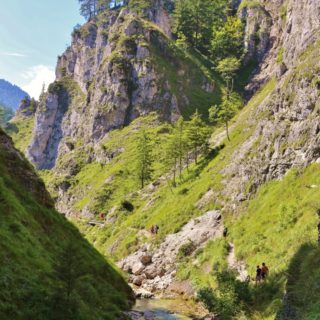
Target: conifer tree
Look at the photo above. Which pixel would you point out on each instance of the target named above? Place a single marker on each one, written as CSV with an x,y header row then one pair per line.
x,y
197,134
195,19
224,112
228,68
88,8
171,157
145,158
182,147
227,40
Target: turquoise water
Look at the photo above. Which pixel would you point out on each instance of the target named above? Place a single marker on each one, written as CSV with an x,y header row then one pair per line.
x,y
160,308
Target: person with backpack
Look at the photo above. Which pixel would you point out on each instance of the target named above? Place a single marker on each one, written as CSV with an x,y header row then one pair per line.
x,y
264,271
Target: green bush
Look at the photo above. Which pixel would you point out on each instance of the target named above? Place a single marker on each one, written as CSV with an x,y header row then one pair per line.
x,y
230,297
186,249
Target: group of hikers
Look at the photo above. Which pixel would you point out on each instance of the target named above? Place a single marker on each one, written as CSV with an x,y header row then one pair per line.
x,y
261,273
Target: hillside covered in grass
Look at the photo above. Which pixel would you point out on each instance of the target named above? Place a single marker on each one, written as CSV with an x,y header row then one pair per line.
x,y
48,271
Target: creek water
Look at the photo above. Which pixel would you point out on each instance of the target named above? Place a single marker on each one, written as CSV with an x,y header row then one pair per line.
x,y
159,309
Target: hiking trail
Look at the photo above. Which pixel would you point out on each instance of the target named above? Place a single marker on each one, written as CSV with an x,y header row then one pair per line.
x,y
236,265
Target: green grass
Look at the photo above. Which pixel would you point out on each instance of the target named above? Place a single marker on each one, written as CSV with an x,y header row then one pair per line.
x,y
250,4
102,187
37,244
20,131
203,264
278,222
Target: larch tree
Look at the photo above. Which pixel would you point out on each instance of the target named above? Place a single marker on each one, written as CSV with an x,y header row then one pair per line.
x,y
145,158
171,157
227,40
224,112
197,134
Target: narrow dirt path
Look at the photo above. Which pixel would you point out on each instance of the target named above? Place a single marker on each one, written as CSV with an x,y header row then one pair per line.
x,y
236,265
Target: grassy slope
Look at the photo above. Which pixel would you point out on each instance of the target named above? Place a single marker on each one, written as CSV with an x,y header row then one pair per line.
x,y
35,243
20,130
170,209
279,224
278,212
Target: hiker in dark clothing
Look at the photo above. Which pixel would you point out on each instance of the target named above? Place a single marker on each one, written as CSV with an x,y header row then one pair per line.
x,y
225,232
258,275
264,271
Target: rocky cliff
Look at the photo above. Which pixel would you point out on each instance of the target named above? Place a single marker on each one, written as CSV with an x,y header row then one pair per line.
x,y
286,125
118,67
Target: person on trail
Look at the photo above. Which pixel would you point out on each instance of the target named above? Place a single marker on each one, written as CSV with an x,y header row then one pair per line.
x,y
319,233
225,232
264,271
258,275
154,229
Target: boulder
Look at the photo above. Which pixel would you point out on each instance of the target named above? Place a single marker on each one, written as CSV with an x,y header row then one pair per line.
x,y
146,259
137,268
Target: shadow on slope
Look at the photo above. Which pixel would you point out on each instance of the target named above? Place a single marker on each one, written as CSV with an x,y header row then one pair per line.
x,y
47,270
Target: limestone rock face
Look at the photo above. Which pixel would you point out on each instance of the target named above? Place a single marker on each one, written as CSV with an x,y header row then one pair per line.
x,y
117,68
44,148
277,32
258,24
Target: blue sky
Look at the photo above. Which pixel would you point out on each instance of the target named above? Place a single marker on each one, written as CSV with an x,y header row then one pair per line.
x,y
32,34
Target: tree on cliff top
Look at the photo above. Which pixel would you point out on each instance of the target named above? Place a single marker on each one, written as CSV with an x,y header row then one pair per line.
x,y
90,8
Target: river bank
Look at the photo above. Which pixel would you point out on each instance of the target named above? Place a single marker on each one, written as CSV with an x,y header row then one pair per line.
x,y
162,309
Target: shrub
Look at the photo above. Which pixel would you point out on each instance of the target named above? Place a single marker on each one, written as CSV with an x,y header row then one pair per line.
x,y
127,205
228,300
186,249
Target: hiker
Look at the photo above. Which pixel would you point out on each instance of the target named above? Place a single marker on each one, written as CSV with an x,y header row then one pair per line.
x,y
319,233
225,232
264,271
258,275
154,229
102,216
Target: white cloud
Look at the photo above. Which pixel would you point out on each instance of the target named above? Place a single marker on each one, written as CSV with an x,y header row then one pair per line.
x,y
37,76
12,54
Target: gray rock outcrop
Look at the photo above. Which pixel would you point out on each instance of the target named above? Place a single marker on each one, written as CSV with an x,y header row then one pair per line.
x,y
112,73
154,269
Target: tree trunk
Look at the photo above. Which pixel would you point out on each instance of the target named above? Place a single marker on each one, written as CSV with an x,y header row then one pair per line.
x,y
227,130
187,161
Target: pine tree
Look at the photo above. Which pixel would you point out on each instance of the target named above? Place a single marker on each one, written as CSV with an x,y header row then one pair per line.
x,y
171,157
228,40
182,147
228,68
197,134
88,8
224,112
195,19
145,158
68,272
